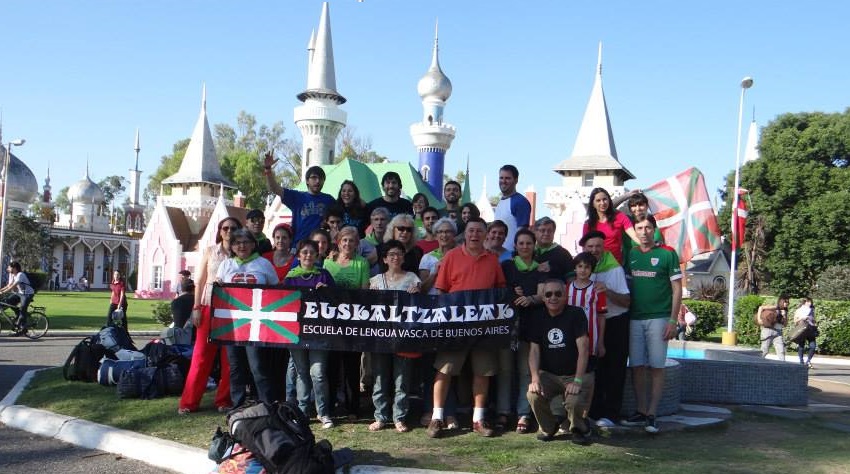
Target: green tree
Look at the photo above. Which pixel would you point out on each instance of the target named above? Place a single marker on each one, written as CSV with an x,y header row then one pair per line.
x,y
28,242
351,146
799,188
112,187
168,165
61,201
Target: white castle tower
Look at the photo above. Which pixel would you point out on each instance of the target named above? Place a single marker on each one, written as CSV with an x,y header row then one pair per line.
x,y
432,136
593,163
320,119
196,186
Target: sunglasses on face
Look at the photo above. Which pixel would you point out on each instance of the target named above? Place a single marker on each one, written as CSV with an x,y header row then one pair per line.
x,y
228,229
257,220
556,294
404,229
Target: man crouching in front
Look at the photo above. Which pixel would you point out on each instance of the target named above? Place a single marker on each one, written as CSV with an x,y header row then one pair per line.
x,y
558,360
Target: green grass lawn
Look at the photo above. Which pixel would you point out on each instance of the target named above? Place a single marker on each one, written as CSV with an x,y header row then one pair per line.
x,y
87,310
748,443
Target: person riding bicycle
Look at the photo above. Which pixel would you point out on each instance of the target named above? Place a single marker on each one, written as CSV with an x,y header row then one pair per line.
x,y
19,282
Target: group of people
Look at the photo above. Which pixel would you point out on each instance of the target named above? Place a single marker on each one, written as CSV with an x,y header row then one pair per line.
x,y
772,319
579,317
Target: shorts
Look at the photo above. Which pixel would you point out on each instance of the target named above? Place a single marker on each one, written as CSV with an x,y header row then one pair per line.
x,y
484,363
647,344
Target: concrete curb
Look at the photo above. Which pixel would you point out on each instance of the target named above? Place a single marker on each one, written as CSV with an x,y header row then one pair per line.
x,y
154,451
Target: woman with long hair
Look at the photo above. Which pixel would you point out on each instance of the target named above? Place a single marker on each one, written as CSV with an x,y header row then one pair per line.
x,y
393,371
281,256
205,352
419,203
352,206
602,216
805,315
252,366
349,270
311,364
401,228
526,281
467,211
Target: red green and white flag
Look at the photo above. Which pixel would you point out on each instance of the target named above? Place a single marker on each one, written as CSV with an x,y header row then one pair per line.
x,y
683,211
255,315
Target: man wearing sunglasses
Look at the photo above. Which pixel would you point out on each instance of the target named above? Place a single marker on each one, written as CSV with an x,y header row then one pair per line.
x,y
558,360
254,222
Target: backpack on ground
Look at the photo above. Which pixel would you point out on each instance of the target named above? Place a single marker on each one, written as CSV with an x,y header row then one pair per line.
x,y
766,316
110,370
83,361
279,436
115,339
159,354
150,382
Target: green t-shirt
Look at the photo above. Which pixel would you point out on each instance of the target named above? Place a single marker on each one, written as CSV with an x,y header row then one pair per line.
x,y
353,276
651,274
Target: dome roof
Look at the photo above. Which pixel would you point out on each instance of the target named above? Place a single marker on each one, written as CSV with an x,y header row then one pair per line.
x,y
85,191
434,84
22,184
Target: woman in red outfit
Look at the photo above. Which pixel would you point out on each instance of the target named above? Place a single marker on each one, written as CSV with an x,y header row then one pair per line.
x,y
117,299
281,257
602,216
204,353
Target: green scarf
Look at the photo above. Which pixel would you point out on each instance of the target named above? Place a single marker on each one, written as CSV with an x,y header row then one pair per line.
x,y
300,271
250,258
541,250
606,262
437,253
521,266
372,239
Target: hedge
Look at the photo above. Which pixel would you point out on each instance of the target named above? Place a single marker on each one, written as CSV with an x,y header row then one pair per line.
x,y
709,315
833,318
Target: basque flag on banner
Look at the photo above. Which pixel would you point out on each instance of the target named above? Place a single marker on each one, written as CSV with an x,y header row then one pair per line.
x,y
255,315
683,211
741,219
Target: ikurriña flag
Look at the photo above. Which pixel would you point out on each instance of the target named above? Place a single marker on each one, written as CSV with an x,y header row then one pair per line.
x,y
741,219
256,315
683,211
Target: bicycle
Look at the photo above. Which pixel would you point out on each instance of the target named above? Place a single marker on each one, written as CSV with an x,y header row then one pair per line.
x,y
37,322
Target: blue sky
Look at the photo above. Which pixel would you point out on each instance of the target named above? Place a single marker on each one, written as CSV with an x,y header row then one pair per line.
x,y
78,77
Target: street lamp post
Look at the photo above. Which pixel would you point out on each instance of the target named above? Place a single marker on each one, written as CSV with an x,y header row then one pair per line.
x,y
729,337
3,212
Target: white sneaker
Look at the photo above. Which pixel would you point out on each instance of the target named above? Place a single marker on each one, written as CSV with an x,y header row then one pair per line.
x,y
326,422
605,423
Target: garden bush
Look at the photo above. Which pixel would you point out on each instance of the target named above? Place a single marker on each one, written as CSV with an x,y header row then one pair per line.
x,y
38,279
162,313
748,331
709,317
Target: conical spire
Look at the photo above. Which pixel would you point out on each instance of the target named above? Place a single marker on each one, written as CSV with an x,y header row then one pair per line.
x,y
137,148
466,194
321,75
200,164
594,147
595,137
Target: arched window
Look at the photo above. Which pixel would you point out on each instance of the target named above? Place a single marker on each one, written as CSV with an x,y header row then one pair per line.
x,y
424,172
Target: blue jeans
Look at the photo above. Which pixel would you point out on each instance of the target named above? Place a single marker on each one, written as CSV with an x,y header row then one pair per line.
x,y
391,372
513,366
311,366
291,380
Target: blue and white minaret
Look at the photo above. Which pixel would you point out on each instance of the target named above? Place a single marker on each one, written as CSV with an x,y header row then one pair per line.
x,y
432,136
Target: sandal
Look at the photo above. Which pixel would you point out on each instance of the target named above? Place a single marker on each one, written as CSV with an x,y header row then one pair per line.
x,y
377,426
183,411
451,423
401,427
522,425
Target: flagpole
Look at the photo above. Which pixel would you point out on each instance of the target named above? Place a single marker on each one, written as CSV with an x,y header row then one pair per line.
x,y
729,337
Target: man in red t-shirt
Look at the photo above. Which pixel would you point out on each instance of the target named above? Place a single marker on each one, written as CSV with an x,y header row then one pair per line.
x,y
468,267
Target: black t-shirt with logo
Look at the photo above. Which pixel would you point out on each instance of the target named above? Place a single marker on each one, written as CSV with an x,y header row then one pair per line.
x,y
556,336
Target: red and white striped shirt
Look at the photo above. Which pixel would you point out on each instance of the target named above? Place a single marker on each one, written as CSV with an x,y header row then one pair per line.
x,y
593,304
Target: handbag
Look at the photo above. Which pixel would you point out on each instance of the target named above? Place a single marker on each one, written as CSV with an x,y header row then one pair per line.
x,y
798,334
